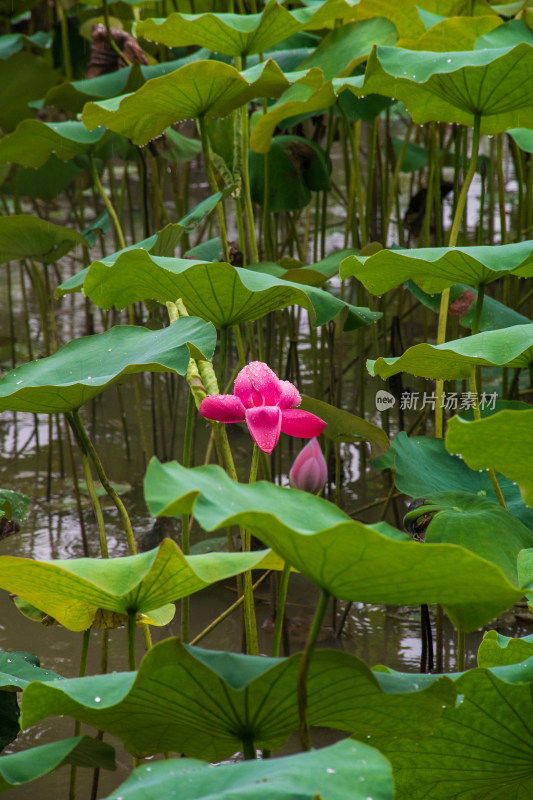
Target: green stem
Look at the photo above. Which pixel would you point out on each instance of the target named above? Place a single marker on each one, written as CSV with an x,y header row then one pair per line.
x,y
445,297
83,438
460,651
280,609
77,724
108,204
132,636
214,187
250,624
303,669
185,519
95,503
478,309
248,748
248,207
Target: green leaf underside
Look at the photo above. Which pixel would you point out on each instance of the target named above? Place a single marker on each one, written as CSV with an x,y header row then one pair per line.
x,y
494,84
503,442
481,750
203,703
438,268
28,765
200,89
348,559
509,347
336,772
423,467
85,367
72,591
497,650
223,294
26,236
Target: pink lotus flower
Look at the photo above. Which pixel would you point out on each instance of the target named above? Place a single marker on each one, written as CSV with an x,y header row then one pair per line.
x,y
309,471
266,404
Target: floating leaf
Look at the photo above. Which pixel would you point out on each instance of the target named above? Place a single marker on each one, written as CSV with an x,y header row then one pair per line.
x,y
73,591
83,368
348,559
509,347
497,650
14,505
438,268
503,441
200,89
483,748
33,142
336,772
81,751
345,427
26,236
457,86
221,293
206,703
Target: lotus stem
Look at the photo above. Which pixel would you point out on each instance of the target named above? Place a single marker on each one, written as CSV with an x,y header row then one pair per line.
x,y
303,669
445,297
108,204
280,609
477,416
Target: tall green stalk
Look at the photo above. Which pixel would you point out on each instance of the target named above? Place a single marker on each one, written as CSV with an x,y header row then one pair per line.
x,y
303,669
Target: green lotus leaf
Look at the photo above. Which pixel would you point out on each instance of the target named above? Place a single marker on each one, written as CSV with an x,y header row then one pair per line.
x,y
18,669
83,368
312,275
423,467
348,559
26,236
343,770
33,142
200,89
482,748
207,703
223,294
503,441
296,166
46,182
438,268
232,34
24,78
81,751
507,35
343,48
298,99
12,43
73,591
480,525
509,347
14,505
73,96
523,137
404,16
462,304
496,85
455,33
497,650
342,426
162,243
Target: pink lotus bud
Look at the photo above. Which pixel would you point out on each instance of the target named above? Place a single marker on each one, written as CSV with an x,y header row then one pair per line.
x,y
309,471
